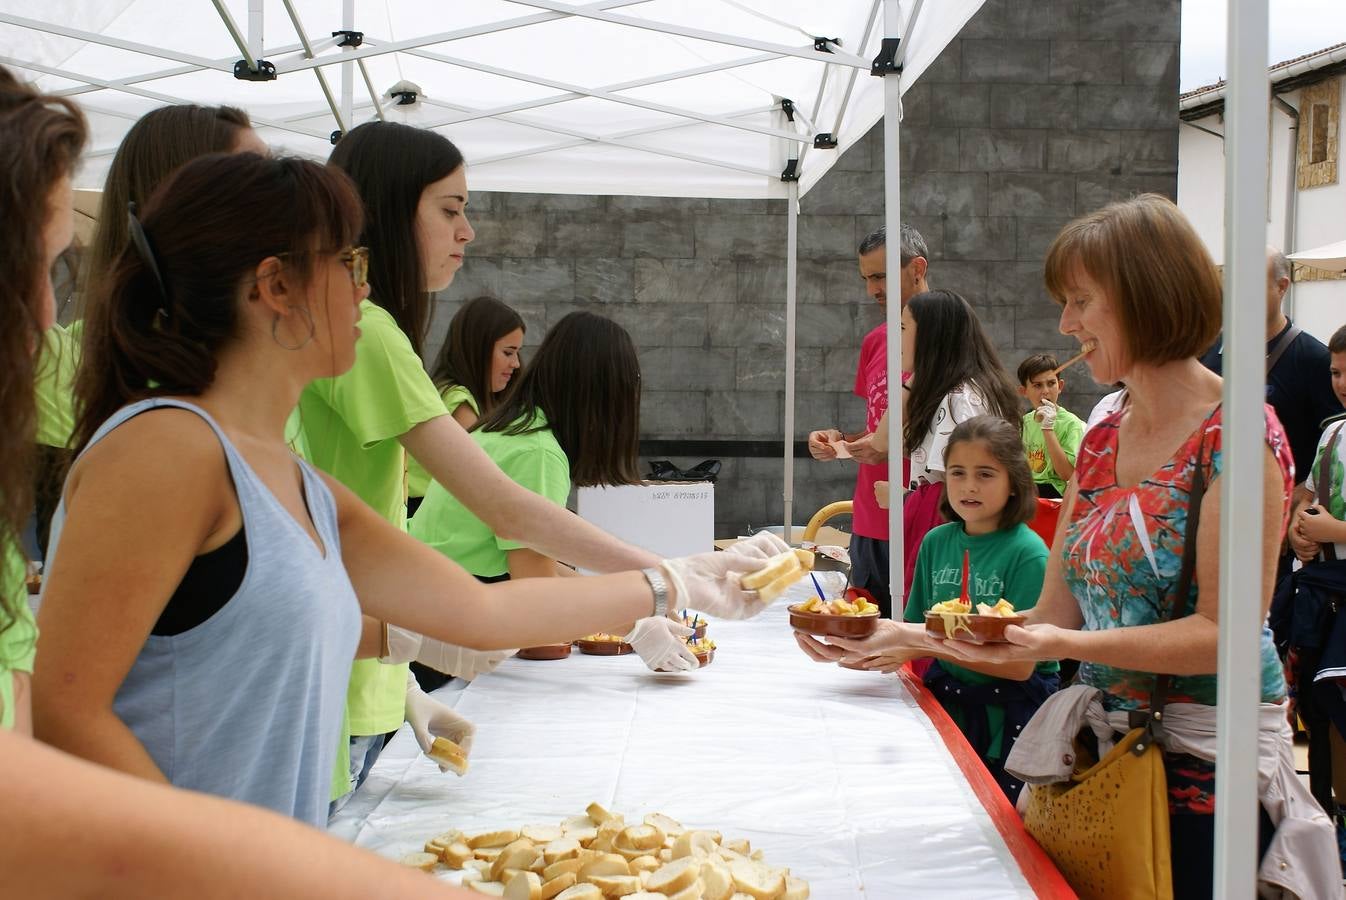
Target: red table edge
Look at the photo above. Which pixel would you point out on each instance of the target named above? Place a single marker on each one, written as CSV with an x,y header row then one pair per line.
x,y
1038,869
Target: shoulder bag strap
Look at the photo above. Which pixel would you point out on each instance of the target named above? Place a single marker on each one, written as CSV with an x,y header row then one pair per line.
x,y
1324,484
1278,349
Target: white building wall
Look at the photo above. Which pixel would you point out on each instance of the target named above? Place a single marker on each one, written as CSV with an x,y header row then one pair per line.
x,y
1319,307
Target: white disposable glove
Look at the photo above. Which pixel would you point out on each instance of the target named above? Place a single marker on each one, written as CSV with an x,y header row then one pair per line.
x,y
662,644
711,583
762,545
403,646
1046,415
460,662
430,719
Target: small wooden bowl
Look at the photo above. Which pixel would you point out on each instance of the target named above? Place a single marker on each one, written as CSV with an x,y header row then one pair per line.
x,y
34,583
704,659
825,625
699,632
547,651
604,648
973,628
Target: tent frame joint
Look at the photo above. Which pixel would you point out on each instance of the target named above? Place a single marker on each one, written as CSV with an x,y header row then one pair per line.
x,y
825,140
349,38
787,106
336,136
791,171
825,44
265,71
886,62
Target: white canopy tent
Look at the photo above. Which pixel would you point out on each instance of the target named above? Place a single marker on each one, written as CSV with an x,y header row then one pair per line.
x,y
659,97
1328,256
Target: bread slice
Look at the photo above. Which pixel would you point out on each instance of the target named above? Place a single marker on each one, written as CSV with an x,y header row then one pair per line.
x,y
521,854
448,754
776,567
607,864
675,876
718,883
665,824
597,813
456,855
541,834
693,843
489,888
616,885
492,839
557,885
693,891
423,861
524,886
757,880
561,867
805,558
580,892
795,889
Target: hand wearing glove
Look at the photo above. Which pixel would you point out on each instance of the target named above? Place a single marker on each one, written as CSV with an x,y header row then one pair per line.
x,y
430,719
459,662
710,582
1046,415
403,646
762,545
662,644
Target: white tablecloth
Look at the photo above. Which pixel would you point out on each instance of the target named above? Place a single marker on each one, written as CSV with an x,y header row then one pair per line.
x,y
836,774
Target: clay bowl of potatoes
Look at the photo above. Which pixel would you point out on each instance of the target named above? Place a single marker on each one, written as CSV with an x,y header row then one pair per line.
x,y
954,620
545,652
604,645
852,616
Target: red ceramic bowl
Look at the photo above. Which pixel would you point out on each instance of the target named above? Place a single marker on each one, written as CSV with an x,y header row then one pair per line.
x,y
973,628
549,651
826,625
604,648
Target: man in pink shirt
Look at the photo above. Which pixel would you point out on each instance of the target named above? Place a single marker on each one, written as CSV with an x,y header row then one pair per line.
x,y
869,541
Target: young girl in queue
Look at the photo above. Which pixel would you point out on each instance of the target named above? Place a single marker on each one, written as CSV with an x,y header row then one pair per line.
x,y
988,498
206,638
946,387
476,365
572,419
182,844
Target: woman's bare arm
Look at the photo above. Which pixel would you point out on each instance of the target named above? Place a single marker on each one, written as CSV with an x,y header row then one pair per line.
x,y
511,511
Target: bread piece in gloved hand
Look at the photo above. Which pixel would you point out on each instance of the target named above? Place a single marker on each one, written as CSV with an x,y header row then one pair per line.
x,y
711,583
662,644
432,722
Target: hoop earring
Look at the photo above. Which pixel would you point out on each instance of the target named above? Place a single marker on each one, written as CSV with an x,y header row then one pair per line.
x,y
312,329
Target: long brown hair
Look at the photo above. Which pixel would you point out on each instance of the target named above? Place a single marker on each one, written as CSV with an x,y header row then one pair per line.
x,y
159,143
585,377
206,228
392,164
466,358
953,351
41,138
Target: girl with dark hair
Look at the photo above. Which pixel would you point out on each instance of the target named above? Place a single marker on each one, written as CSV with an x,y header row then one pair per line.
x,y
572,419
361,426
988,497
956,375
479,358
207,639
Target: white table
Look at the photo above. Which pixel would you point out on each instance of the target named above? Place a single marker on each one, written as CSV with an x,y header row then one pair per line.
x,y
837,774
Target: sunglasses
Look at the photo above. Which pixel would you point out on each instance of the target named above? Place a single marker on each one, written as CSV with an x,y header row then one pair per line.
x,y
356,261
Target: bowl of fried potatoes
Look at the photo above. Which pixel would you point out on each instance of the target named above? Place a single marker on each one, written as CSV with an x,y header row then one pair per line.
x,y
852,616
981,623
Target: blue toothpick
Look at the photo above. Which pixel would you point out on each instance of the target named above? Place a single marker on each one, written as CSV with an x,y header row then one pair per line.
x,y
818,587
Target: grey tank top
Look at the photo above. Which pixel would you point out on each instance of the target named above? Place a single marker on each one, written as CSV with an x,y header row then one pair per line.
x,y
249,704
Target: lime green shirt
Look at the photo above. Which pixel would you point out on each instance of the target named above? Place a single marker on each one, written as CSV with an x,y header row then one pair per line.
x,y
18,640
54,383
1010,563
1069,434
534,460
454,396
351,425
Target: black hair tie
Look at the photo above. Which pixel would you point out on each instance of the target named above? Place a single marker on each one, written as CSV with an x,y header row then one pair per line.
x,y
141,242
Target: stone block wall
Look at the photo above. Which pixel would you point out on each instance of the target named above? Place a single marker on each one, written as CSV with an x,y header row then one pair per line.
x,y
1037,113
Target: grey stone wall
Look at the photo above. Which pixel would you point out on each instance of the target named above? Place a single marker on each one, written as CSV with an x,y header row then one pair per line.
x,y
1036,114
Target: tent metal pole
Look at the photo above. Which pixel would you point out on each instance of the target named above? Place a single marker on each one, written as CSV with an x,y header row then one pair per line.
x,y
373,92
892,208
308,53
256,27
117,43
244,46
855,73
347,118
791,304
1241,483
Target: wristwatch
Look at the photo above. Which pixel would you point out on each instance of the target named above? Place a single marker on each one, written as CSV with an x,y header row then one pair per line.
x,y
660,588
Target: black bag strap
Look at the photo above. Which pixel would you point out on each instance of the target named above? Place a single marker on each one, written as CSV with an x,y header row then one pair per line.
x,y
1282,344
1153,718
1324,485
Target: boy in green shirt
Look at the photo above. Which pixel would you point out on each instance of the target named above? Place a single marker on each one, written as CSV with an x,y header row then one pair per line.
x,y
1051,433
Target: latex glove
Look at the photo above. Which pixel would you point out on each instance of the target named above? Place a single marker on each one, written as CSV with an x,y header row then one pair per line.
x,y
430,719
762,545
1046,415
460,662
662,644
403,646
710,582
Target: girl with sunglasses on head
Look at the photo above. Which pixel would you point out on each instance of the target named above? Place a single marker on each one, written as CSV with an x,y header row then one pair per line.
x,y
204,599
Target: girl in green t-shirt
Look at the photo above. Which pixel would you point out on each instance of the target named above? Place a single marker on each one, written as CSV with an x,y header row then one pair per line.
x,y
475,366
988,497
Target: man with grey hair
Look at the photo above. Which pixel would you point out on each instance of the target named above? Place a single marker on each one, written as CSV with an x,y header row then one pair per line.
x,y
869,523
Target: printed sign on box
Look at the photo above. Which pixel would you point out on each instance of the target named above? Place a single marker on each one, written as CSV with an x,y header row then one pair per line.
x,y
665,517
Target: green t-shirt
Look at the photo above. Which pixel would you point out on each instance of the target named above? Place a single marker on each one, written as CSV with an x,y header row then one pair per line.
x,y
18,641
1069,433
418,479
534,460
54,384
1009,564
351,425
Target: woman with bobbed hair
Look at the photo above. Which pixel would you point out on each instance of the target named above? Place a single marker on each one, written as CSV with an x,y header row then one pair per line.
x,y
1138,290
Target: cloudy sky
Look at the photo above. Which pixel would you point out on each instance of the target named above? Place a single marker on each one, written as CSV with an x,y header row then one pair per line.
x,y
1297,27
